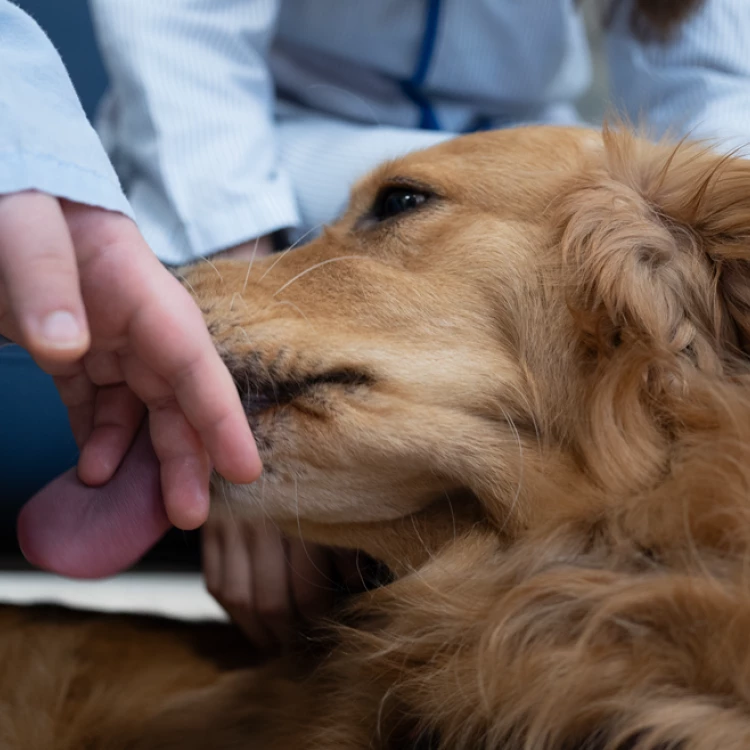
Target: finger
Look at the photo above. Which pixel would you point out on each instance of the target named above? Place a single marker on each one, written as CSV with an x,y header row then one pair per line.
x,y
185,466
144,301
103,368
271,581
118,414
78,394
239,586
38,267
311,583
211,558
229,577
201,384
249,623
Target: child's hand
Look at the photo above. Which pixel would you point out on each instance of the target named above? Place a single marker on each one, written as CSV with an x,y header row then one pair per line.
x,y
82,291
264,580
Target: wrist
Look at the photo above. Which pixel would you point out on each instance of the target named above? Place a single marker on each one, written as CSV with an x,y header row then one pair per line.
x,y
255,248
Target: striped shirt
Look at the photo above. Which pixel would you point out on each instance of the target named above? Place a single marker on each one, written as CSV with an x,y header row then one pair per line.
x,y
229,119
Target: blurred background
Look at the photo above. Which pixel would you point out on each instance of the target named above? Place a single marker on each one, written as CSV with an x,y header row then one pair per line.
x,y
69,25
167,580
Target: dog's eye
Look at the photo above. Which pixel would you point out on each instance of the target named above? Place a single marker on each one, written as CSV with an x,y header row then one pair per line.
x,y
392,201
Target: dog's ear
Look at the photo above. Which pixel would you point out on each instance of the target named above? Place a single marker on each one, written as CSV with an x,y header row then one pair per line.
x,y
656,260
658,242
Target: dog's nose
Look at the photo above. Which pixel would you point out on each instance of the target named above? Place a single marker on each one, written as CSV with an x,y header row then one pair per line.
x,y
256,400
263,386
258,391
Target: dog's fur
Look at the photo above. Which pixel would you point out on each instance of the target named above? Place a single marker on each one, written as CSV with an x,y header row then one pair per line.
x,y
528,397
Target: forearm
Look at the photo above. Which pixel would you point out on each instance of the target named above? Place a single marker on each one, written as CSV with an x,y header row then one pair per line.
x,y
46,143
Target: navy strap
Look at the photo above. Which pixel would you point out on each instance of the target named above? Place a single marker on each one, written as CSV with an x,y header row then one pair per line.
x,y
412,87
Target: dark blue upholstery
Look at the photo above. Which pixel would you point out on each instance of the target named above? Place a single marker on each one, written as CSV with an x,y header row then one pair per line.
x,y
35,440
68,24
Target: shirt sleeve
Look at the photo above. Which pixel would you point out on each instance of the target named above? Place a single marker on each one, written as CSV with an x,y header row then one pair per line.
x,y
46,142
697,83
190,120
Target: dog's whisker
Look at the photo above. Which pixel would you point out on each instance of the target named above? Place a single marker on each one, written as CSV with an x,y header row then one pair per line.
x,y
288,250
248,385
206,259
315,267
184,280
273,265
266,367
262,490
300,239
250,266
236,295
294,307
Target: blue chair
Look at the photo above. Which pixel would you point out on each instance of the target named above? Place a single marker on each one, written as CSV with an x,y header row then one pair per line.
x,y
36,443
35,440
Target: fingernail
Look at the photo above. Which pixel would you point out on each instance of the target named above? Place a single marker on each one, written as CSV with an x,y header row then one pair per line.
x,y
62,330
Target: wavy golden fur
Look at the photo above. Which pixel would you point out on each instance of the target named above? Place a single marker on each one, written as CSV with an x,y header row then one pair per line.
x,y
524,389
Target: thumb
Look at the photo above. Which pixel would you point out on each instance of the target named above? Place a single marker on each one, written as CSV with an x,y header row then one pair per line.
x,y
39,280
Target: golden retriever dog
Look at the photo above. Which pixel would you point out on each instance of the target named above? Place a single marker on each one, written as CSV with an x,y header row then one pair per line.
x,y
516,373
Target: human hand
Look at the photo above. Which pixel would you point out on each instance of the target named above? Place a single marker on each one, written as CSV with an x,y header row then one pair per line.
x,y
81,290
265,581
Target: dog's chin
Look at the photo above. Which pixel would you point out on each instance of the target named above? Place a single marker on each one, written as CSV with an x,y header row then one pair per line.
x,y
317,500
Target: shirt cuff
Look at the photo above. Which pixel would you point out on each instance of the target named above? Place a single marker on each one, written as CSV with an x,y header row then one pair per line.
x,y
31,171
236,221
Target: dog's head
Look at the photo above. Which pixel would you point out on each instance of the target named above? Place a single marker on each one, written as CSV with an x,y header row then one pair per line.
x,y
504,328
